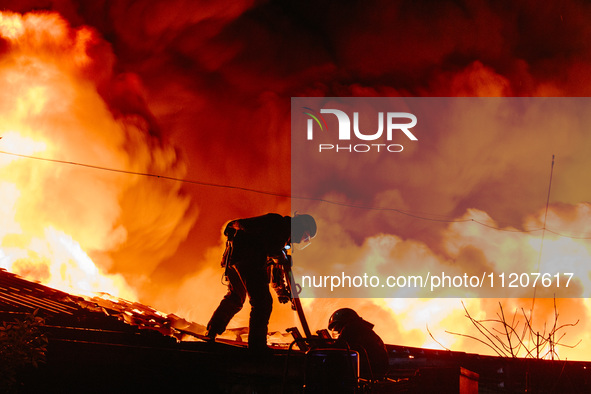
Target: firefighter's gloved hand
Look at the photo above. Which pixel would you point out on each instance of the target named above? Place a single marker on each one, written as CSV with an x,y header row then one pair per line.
x,y
284,299
283,295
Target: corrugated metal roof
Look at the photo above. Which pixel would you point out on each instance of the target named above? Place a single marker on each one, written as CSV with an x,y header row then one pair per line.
x,y
133,343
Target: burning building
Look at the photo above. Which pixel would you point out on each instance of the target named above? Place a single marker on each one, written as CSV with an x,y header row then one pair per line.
x,y
132,131
106,344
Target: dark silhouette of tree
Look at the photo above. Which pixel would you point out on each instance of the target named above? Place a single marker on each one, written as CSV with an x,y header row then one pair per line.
x,y
22,345
514,339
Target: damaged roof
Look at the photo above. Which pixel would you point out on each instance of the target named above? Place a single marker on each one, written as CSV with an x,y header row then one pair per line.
x,y
106,344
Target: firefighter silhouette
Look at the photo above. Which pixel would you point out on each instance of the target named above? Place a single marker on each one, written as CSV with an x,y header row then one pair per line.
x,y
251,243
358,334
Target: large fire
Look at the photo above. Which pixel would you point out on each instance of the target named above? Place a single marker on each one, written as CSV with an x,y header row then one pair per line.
x,y
62,220
68,119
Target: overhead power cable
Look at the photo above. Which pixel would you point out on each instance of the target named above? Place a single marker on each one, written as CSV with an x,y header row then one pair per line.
x,y
423,216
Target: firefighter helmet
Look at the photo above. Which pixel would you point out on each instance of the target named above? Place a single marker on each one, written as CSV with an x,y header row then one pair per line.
x,y
303,228
341,317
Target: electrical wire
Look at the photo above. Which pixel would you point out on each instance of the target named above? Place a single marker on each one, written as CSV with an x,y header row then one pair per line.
x,y
423,216
533,300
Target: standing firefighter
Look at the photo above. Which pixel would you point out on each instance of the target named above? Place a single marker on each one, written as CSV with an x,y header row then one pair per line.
x,y
251,243
358,334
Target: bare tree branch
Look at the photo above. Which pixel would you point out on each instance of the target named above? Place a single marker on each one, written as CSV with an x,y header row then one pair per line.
x,y
506,341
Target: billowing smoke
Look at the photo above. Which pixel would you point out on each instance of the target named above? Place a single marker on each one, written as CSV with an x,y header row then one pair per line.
x,y
60,106
201,91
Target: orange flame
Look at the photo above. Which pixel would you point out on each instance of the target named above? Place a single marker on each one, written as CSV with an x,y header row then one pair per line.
x,y
53,215
62,224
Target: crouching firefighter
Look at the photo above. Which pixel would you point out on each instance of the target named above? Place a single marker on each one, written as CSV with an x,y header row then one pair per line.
x,y
252,242
357,334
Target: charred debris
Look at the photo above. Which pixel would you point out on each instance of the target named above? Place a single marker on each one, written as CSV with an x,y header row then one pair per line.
x,y
102,344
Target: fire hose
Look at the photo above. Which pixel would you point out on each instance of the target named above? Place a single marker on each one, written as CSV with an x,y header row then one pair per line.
x,y
294,290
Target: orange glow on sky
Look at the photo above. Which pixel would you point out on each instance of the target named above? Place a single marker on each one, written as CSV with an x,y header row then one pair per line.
x,y
204,95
